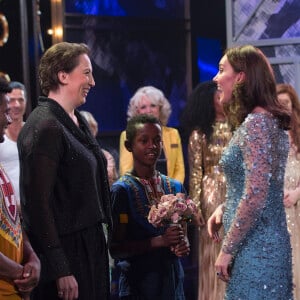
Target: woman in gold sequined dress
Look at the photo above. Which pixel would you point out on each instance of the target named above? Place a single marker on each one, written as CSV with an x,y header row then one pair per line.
x,y
209,134
288,96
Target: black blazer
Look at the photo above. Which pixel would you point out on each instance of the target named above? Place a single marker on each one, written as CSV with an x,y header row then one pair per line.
x,y
63,180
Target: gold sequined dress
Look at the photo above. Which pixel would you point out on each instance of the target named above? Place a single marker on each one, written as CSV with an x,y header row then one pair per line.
x,y
292,182
207,189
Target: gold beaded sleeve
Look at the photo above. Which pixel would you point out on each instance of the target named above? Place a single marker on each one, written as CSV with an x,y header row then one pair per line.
x,y
195,157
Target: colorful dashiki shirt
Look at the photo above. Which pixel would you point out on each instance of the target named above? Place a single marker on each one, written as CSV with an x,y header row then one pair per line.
x,y
11,242
10,228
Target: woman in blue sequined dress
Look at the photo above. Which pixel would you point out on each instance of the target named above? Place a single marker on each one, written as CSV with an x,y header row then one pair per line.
x,y
255,258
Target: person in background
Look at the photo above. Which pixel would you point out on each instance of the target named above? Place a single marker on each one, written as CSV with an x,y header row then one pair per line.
x,y
255,258
9,156
19,265
111,165
150,100
204,121
148,256
288,97
65,197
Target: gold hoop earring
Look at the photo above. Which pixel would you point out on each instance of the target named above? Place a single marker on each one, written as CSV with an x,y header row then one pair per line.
x,y
5,31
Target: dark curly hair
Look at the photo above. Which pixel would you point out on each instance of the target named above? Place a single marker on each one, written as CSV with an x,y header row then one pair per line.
x,y
4,86
132,125
199,112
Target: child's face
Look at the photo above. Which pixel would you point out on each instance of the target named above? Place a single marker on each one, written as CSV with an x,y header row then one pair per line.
x,y
147,145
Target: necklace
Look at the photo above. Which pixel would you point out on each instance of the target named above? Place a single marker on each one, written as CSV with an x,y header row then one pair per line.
x,y
153,188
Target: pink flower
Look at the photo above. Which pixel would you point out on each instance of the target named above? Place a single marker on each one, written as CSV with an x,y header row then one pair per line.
x,y
162,212
175,218
172,209
180,206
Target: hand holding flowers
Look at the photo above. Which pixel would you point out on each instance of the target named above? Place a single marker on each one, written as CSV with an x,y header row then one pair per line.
x,y
174,209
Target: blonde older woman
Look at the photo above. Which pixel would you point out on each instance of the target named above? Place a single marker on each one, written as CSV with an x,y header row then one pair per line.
x,y
150,100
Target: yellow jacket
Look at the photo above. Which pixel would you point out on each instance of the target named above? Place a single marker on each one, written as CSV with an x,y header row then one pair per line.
x,y
173,151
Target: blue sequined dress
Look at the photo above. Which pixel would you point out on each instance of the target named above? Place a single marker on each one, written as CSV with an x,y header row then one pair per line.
x,y
254,217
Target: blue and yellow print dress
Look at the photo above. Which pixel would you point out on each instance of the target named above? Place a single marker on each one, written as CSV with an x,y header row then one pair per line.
x,y
254,217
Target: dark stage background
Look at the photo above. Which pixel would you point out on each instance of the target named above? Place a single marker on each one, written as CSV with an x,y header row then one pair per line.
x,y
133,42
171,44
165,43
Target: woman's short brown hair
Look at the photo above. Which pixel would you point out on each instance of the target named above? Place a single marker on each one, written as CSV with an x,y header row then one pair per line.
x,y
59,57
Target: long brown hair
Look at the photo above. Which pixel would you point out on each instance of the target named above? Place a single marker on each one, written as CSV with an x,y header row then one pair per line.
x,y
258,88
283,88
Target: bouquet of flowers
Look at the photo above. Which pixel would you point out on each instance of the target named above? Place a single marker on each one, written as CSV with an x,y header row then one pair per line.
x,y
172,209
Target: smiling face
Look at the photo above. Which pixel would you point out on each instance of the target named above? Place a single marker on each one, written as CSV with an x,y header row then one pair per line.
x,y
80,80
146,106
17,104
146,145
225,80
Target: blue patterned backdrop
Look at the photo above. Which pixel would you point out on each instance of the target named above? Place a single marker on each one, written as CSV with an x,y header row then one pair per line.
x,y
133,43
